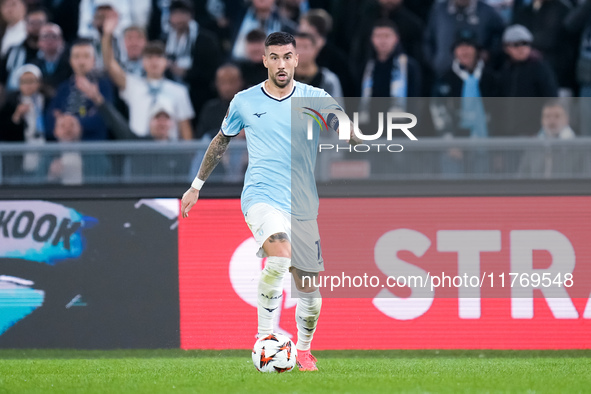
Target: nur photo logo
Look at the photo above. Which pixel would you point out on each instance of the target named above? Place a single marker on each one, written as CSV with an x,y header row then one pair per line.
x,y
333,119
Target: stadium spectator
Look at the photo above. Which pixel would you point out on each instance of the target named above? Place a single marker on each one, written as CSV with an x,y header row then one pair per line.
x,y
22,113
252,68
410,28
308,71
262,14
504,8
228,82
101,9
140,13
193,53
138,168
221,12
92,14
14,29
69,99
217,10
161,123
345,16
555,122
545,19
390,72
65,14
71,167
134,40
24,53
467,78
22,120
458,107
524,75
389,77
140,93
555,161
578,22
52,58
159,22
318,23
448,17
181,38
294,9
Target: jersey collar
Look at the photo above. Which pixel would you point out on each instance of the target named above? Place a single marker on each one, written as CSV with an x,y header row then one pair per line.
x,y
277,98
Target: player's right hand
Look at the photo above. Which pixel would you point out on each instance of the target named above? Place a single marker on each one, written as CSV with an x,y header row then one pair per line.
x,y
189,199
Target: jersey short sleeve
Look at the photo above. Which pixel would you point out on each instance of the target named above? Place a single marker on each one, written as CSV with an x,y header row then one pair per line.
x,y
331,103
232,123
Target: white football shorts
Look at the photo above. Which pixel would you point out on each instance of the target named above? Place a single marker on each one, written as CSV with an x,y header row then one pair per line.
x,y
265,220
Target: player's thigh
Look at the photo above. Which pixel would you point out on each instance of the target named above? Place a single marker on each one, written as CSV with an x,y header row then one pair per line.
x,y
306,252
305,281
271,229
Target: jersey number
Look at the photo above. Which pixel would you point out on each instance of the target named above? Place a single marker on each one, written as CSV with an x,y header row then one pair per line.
x,y
319,251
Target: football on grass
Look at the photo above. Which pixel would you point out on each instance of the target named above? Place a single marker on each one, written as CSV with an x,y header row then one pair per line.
x,y
274,353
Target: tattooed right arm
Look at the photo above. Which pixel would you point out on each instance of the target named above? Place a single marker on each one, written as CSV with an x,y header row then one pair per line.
x,y
214,153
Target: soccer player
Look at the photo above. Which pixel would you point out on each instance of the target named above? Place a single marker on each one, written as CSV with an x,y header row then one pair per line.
x,y
264,112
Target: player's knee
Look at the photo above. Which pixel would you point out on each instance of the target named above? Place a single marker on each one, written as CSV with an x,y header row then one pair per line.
x,y
276,267
278,245
309,303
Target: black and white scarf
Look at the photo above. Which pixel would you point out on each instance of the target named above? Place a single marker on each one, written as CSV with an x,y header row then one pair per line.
x,y
179,48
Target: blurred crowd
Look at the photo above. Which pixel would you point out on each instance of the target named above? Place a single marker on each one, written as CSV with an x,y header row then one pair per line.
x,y
167,69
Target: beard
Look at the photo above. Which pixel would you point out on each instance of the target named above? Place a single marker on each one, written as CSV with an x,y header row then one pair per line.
x,y
281,84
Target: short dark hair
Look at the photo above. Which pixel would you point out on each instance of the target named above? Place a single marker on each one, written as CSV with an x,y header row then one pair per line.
x,y
385,22
82,42
230,65
256,35
154,48
37,10
306,36
466,37
280,38
320,20
181,5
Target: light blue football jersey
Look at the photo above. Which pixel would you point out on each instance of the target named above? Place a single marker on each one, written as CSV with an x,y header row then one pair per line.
x,y
279,155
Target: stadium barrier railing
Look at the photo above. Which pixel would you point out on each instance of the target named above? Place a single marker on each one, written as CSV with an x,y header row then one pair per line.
x,y
133,163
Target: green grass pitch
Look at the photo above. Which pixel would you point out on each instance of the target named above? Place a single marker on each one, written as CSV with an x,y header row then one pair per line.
x,y
177,371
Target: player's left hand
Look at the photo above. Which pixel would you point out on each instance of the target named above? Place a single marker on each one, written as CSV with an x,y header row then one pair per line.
x,y
189,199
